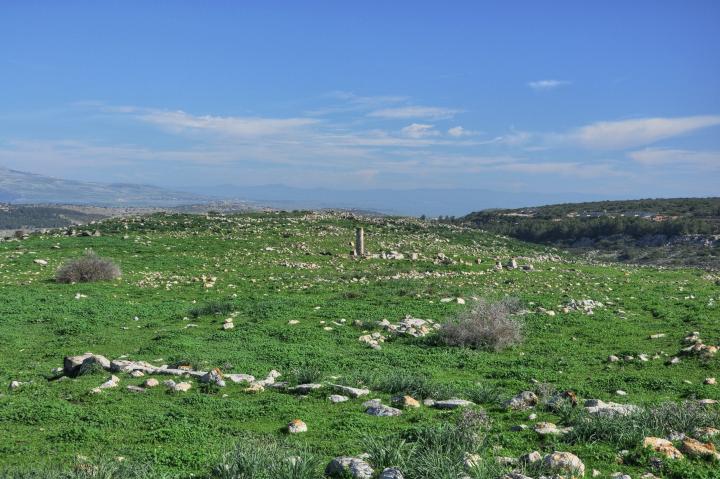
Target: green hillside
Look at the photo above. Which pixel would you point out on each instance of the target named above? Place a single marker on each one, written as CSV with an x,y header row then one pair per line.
x,y
673,232
299,304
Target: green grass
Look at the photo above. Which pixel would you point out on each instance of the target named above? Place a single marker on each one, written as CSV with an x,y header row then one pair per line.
x,y
163,258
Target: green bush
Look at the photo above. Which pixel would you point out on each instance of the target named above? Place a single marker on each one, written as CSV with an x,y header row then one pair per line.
x,y
86,269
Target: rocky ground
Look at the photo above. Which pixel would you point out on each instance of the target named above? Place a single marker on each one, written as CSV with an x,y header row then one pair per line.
x,y
234,342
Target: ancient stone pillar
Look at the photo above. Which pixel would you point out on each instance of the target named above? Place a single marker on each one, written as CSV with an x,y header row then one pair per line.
x,y
359,242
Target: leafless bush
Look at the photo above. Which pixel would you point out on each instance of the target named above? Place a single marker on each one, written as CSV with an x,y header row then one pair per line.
x,y
485,325
88,268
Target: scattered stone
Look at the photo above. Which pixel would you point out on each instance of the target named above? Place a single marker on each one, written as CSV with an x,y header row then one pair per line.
x,y
410,326
663,446
240,378
151,383
391,472
296,426
227,326
15,385
137,374
405,401
350,391
135,389
705,432
342,467
620,392
452,403
585,305
110,383
383,411
710,381
657,336
182,387
601,408
372,403
254,388
695,448
550,429
41,262
523,400
471,461
306,388
270,379
564,463
530,458
336,398
213,377
519,427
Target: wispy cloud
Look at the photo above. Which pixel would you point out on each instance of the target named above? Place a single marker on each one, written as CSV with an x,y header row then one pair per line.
x,y
409,112
669,157
637,132
543,85
459,131
419,130
241,127
347,102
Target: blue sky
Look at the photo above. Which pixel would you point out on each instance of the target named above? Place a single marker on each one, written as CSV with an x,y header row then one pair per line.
x,y
610,98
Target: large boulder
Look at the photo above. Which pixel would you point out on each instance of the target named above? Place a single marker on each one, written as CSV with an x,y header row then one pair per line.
x,y
73,366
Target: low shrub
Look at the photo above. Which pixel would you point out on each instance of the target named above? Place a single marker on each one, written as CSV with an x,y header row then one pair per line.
x,y
485,325
212,307
88,268
306,374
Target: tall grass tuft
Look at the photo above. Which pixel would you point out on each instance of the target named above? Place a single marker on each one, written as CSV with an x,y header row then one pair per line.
x,y
267,458
629,430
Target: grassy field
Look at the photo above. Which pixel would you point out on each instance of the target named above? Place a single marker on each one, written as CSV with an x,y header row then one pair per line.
x,y
270,269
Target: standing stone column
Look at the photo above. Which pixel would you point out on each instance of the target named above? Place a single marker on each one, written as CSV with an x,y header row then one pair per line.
x,y
359,242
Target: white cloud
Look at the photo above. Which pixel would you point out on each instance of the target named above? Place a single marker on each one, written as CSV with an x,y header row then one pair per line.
x,y
405,112
668,157
542,85
242,127
632,133
419,130
459,131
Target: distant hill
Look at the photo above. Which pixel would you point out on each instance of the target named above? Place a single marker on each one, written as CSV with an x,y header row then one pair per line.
x,y
409,202
673,231
23,187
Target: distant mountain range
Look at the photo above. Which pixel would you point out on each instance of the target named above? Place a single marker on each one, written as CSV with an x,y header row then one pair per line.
x,y
22,187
